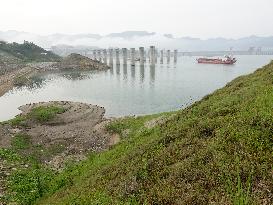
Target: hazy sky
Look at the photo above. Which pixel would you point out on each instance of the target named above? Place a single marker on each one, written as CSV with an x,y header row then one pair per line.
x,y
196,18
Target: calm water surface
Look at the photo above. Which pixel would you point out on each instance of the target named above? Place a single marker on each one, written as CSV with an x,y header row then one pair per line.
x,y
126,90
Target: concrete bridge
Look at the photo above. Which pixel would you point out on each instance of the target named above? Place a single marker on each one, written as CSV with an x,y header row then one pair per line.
x,y
152,55
132,55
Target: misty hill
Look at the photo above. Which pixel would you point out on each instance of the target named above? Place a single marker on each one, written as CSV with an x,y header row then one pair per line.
x,y
140,38
64,50
26,52
130,34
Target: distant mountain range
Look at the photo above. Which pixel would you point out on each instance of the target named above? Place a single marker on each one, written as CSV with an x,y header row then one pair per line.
x,y
139,38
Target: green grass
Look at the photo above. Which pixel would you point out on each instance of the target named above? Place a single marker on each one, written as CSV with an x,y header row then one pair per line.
x,y
41,114
45,113
9,155
20,141
218,150
27,183
19,120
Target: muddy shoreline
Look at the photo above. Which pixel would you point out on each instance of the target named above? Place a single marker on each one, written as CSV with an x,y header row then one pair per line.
x,y
8,80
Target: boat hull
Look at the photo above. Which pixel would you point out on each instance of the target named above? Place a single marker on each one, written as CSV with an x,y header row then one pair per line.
x,y
216,61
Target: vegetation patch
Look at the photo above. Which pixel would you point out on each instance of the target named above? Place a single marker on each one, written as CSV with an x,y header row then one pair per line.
x,y
21,81
40,114
19,120
46,113
9,155
20,141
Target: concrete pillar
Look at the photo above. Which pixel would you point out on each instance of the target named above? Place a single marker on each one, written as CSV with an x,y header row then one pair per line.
x,y
161,56
95,55
111,56
145,56
175,56
133,57
125,71
152,55
117,57
105,56
168,56
156,55
125,55
99,55
141,55
149,55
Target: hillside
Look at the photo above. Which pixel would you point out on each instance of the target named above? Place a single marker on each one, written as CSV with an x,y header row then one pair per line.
x,y
26,52
217,151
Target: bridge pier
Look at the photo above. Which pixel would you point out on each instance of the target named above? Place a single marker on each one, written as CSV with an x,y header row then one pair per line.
x,y
125,55
133,57
111,56
175,56
152,55
105,56
141,55
161,56
117,57
156,55
168,56
99,55
145,55
95,55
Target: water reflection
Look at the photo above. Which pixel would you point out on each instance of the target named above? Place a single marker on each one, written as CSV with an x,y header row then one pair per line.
x,y
74,75
133,72
118,69
33,84
111,62
142,73
152,74
111,70
125,71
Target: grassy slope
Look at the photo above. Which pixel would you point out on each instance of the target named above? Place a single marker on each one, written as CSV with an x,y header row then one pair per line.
x,y
218,150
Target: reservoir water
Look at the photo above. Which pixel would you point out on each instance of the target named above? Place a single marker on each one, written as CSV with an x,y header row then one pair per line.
x,y
125,90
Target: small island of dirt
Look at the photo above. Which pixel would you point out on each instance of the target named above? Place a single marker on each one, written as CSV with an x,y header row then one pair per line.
x,y
58,131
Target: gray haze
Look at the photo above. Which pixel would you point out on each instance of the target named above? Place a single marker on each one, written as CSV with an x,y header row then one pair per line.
x,y
195,18
138,38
